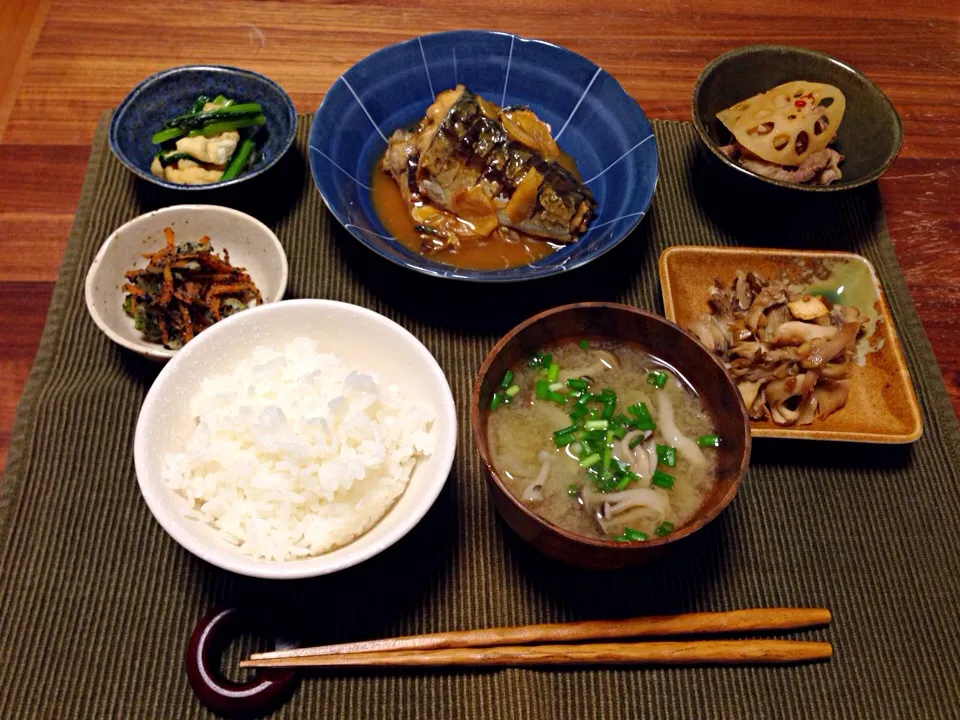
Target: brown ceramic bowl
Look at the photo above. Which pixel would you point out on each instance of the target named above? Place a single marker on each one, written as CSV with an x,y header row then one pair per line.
x,y
664,340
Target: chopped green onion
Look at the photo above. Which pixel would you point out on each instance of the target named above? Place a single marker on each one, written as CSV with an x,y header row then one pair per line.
x,y
553,372
512,390
563,440
541,389
557,397
573,489
542,360
622,482
554,387
661,479
577,384
578,412
664,528
631,535
708,441
657,378
569,430
619,432
495,401
585,344
597,424
667,455
642,413
608,410
507,379
590,460
636,441
623,420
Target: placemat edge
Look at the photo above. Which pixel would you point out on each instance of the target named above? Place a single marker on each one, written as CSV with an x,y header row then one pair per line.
x,y
25,415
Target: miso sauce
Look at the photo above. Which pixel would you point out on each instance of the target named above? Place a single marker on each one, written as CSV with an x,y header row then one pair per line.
x,y
492,253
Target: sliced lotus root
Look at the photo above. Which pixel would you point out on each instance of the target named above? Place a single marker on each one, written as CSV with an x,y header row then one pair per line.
x,y
786,124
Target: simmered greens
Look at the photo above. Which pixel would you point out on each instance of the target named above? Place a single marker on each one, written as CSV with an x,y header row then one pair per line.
x,y
211,142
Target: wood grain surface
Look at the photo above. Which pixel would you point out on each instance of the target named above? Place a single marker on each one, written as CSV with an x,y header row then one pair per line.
x,y
63,65
690,652
705,623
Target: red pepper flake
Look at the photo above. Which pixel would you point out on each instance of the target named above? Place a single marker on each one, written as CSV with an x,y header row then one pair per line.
x,y
800,103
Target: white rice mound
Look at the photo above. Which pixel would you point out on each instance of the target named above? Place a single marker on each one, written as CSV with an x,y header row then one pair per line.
x,y
295,453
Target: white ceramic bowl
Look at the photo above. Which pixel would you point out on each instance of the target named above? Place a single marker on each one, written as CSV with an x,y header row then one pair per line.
x,y
251,244
365,340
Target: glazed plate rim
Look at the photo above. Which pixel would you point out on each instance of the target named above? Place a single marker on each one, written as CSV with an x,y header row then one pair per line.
x,y
811,432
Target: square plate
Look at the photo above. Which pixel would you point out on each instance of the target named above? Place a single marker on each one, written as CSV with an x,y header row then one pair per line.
x,y
882,406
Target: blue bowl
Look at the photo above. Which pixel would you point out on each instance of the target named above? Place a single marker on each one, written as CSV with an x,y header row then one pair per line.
x,y
592,117
171,92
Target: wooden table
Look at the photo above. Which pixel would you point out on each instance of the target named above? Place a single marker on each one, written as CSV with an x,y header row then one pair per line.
x,y
63,62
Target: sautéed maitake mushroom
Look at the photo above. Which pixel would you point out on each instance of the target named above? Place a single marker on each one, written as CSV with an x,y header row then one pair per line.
x,y
789,352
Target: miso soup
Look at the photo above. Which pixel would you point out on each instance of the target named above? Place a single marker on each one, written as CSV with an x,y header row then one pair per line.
x,y
604,440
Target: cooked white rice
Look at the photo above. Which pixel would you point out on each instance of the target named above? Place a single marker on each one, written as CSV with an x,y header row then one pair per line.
x,y
295,453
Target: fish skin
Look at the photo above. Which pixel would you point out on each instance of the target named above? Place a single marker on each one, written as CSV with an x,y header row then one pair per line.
x,y
469,147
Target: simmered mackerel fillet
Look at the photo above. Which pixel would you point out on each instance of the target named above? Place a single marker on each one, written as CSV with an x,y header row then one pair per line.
x,y
471,167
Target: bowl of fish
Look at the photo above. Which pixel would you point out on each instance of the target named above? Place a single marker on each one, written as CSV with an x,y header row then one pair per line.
x,y
285,443
163,278
608,433
794,118
483,156
197,127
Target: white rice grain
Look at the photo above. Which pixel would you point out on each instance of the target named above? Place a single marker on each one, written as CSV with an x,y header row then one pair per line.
x,y
294,453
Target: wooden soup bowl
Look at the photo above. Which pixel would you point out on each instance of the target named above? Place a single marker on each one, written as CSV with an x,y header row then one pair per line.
x,y
670,344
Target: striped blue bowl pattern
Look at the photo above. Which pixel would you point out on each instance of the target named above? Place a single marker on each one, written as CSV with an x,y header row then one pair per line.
x,y
593,119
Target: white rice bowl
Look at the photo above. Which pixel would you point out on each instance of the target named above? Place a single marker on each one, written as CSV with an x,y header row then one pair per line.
x,y
324,458
295,453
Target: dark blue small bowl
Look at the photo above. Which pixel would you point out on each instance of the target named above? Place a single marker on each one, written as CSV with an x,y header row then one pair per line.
x,y
171,92
592,117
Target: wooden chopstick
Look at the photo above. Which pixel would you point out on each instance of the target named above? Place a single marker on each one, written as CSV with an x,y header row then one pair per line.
x,y
710,652
732,621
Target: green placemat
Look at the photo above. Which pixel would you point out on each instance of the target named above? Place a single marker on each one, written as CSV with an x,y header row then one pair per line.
x,y
97,602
